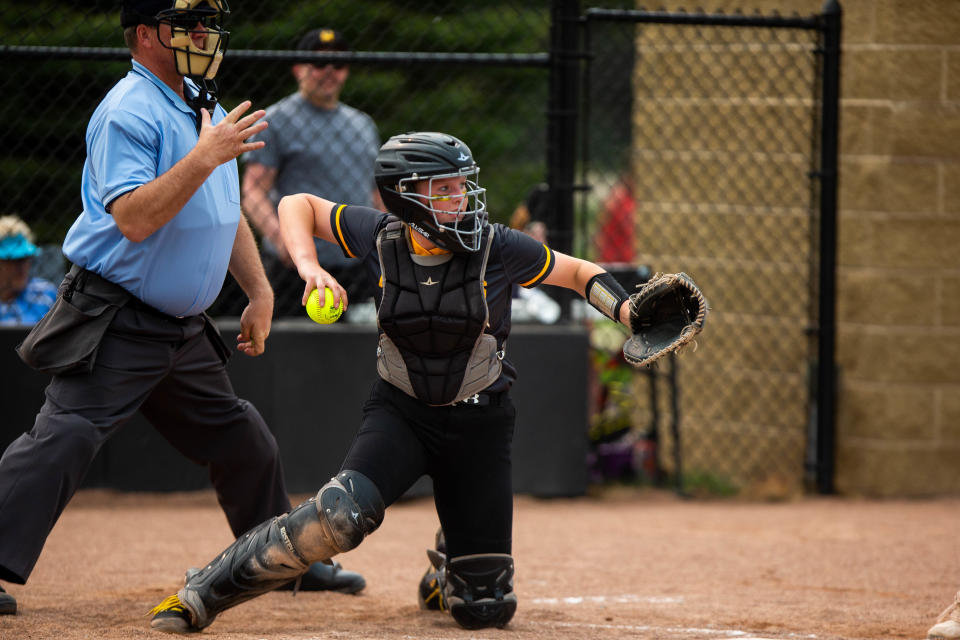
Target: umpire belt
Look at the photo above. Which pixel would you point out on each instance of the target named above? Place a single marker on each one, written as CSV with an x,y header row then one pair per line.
x,y
87,281
137,304
481,399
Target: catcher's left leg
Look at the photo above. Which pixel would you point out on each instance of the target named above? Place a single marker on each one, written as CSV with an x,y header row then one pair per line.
x,y
477,589
474,498
343,513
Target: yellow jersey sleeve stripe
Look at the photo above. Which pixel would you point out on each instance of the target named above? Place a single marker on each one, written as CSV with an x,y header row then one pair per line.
x,y
340,239
546,265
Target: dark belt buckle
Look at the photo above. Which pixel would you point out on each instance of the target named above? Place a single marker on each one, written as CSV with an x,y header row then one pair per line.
x,y
474,399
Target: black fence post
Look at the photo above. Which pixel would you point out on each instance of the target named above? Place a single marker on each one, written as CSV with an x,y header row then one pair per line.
x,y
826,357
562,124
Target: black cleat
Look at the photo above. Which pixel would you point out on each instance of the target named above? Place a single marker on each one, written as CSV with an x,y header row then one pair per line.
x,y
327,577
170,616
8,604
430,590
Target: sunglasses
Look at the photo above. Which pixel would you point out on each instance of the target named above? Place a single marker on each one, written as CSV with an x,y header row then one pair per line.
x,y
188,20
336,65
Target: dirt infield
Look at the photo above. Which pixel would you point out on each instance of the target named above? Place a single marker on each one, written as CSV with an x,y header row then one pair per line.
x,y
631,565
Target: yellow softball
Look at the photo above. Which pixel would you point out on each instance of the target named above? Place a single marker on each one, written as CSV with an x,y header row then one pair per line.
x,y
327,313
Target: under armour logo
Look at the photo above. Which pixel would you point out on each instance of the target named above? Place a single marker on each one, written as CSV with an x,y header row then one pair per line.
x,y
429,281
463,156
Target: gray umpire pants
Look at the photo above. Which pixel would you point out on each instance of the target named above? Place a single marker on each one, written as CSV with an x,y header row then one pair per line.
x,y
169,370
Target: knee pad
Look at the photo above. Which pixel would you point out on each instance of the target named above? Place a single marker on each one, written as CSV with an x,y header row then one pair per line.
x,y
478,590
345,510
350,509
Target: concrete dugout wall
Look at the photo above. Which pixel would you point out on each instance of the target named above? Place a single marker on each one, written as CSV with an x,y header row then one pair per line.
x,y
310,385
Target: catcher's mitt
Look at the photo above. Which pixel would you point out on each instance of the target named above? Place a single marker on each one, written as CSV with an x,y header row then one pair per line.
x,y
667,313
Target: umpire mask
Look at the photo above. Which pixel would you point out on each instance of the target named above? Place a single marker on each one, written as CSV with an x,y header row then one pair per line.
x,y
189,17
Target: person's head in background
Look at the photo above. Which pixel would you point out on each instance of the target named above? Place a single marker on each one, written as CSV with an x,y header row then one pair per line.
x,y
529,215
16,256
321,83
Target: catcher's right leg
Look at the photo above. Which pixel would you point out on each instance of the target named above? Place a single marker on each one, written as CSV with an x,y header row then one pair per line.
x,y
343,513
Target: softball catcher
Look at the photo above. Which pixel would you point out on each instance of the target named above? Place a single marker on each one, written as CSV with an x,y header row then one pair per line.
x,y
442,403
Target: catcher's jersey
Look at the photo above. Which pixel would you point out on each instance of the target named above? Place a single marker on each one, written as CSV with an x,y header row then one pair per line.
x,y
515,258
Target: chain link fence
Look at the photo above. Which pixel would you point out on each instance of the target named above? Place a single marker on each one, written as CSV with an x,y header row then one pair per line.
x,y
699,145
475,70
696,151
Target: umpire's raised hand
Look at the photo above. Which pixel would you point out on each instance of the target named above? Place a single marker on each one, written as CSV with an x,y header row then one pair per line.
x,y
228,138
139,213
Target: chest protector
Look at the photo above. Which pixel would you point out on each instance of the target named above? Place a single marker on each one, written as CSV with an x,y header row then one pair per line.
x,y
432,318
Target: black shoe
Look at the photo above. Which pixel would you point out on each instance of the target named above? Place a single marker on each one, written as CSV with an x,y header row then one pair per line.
x,y
170,616
430,590
8,604
328,577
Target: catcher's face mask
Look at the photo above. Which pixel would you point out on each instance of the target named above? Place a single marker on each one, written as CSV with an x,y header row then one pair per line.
x,y
197,37
409,169
453,207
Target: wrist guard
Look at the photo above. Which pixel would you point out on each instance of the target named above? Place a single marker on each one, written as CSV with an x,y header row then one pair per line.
x,y
606,295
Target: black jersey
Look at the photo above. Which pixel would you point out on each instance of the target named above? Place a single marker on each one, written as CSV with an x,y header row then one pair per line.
x,y
515,259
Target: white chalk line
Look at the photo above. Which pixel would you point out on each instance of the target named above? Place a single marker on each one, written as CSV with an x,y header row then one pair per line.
x,y
621,599
678,631
658,632
635,598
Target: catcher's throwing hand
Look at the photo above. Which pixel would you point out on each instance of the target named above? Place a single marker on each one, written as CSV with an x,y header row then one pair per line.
x,y
667,313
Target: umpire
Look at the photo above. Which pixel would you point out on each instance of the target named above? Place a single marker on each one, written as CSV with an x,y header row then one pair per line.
x,y
161,224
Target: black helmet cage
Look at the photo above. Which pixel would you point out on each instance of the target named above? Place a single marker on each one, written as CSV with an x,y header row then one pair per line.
x,y
183,18
409,158
463,232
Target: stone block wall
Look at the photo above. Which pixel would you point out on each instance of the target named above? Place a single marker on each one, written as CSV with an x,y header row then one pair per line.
x,y
898,341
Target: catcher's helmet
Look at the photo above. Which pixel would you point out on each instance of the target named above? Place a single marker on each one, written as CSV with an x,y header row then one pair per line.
x,y
183,16
410,157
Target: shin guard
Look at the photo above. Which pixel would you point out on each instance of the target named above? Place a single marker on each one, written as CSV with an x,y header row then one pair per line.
x,y
478,590
344,511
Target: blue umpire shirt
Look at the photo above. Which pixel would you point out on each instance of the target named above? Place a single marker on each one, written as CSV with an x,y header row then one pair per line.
x,y
138,132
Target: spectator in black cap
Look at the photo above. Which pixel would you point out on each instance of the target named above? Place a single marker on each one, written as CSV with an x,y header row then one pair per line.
x,y
315,144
